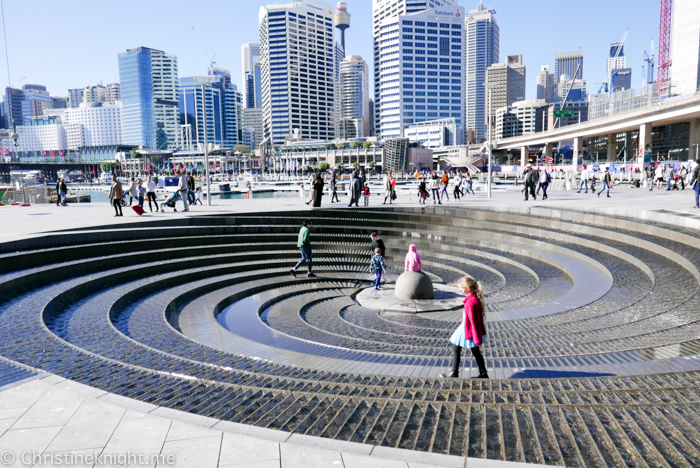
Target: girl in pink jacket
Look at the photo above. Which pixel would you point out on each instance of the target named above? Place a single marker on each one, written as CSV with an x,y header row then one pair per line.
x,y
472,331
412,259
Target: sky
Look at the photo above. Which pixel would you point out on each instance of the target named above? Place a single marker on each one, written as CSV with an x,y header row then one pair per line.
x,y
74,43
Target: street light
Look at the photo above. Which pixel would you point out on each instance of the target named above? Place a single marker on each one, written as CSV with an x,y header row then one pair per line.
x,y
203,82
490,87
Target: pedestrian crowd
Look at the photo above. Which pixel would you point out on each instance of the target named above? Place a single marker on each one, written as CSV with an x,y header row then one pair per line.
x,y
186,192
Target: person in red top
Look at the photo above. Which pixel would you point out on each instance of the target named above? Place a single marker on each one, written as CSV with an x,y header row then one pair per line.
x,y
472,331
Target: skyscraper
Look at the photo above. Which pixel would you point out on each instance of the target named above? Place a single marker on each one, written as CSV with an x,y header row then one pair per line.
x,y
21,104
566,63
93,95
341,19
381,11
507,82
616,60
224,104
354,98
150,98
422,59
252,92
298,83
546,85
482,51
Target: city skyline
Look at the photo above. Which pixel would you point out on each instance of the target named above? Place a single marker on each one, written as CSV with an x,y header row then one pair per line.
x,y
161,26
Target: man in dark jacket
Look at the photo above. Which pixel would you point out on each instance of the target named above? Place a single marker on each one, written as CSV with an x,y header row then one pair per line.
x,y
58,192
695,179
377,243
190,188
530,182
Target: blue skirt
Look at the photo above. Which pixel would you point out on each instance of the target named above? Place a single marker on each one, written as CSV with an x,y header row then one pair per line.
x,y
459,339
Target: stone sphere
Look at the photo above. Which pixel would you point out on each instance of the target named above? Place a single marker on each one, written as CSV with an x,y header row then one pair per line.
x,y
413,285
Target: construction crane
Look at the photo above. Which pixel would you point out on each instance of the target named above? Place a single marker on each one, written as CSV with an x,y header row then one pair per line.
x,y
664,40
618,50
648,67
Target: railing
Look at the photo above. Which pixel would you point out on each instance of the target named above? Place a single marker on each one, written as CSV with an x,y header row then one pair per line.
x,y
21,192
606,105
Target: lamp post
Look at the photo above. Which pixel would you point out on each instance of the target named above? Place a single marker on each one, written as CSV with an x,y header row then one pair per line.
x,y
203,82
490,87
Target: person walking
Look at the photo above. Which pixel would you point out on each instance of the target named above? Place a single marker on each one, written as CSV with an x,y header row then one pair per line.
x,y
58,191
151,193
659,176
545,179
434,189
388,188
530,182
190,188
695,183
365,194
377,243
457,182
683,175
584,179
182,188
334,189
468,184
607,179
357,188
471,333
115,196
649,173
422,191
132,191
63,192
304,244
668,176
377,265
444,182
142,192
412,262
318,190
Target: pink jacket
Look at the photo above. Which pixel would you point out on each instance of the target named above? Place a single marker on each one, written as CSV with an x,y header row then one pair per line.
x,y
473,320
412,259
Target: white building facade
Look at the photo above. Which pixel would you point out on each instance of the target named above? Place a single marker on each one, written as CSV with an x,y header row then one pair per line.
x,y
436,133
685,46
422,69
42,134
297,68
518,119
92,126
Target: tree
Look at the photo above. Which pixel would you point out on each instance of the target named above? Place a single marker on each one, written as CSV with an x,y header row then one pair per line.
x,y
324,166
355,165
276,148
339,166
356,144
134,154
367,144
339,146
372,164
107,166
309,168
245,149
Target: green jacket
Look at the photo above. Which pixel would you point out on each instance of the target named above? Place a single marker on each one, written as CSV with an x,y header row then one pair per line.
x,y
303,237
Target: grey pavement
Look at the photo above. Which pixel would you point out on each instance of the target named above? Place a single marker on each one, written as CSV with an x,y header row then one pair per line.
x,y
48,421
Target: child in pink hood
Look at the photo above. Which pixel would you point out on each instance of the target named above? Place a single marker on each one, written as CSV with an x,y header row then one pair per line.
x,y
412,259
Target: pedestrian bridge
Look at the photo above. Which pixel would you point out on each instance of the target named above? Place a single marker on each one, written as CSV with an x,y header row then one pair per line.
x,y
669,111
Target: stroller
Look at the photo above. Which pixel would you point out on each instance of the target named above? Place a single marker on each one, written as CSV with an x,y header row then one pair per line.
x,y
170,201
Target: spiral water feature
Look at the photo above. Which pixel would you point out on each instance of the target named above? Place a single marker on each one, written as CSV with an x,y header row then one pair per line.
x,y
593,325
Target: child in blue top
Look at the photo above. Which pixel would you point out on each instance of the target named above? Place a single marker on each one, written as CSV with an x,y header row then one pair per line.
x,y
377,264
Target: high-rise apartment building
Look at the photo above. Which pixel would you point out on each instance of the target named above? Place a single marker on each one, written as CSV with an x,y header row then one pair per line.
x,y
252,91
91,126
578,88
616,60
685,46
518,119
482,51
298,67
422,69
21,104
150,98
354,98
94,95
382,10
506,82
223,118
252,127
546,85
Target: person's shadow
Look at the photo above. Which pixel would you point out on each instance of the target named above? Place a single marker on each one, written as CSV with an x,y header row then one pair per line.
x,y
556,374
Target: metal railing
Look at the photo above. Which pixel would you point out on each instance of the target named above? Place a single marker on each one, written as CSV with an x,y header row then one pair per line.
x,y
609,104
22,192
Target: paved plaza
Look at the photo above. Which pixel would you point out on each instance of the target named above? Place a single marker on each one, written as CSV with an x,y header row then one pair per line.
x,y
183,334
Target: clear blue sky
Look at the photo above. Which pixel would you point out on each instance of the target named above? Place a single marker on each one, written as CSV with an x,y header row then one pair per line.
x,y
73,43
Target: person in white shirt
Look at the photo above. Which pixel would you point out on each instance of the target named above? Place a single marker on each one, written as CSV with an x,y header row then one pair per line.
x,y
182,188
584,179
457,184
151,193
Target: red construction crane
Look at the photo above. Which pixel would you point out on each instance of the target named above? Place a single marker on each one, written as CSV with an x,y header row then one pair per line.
x,y
665,40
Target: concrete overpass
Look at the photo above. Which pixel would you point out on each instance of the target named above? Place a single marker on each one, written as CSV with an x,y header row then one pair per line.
x,y
669,111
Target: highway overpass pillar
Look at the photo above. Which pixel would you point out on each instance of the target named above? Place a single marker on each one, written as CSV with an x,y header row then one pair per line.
x,y
612,146
644,140
524,154
578,148
547,151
